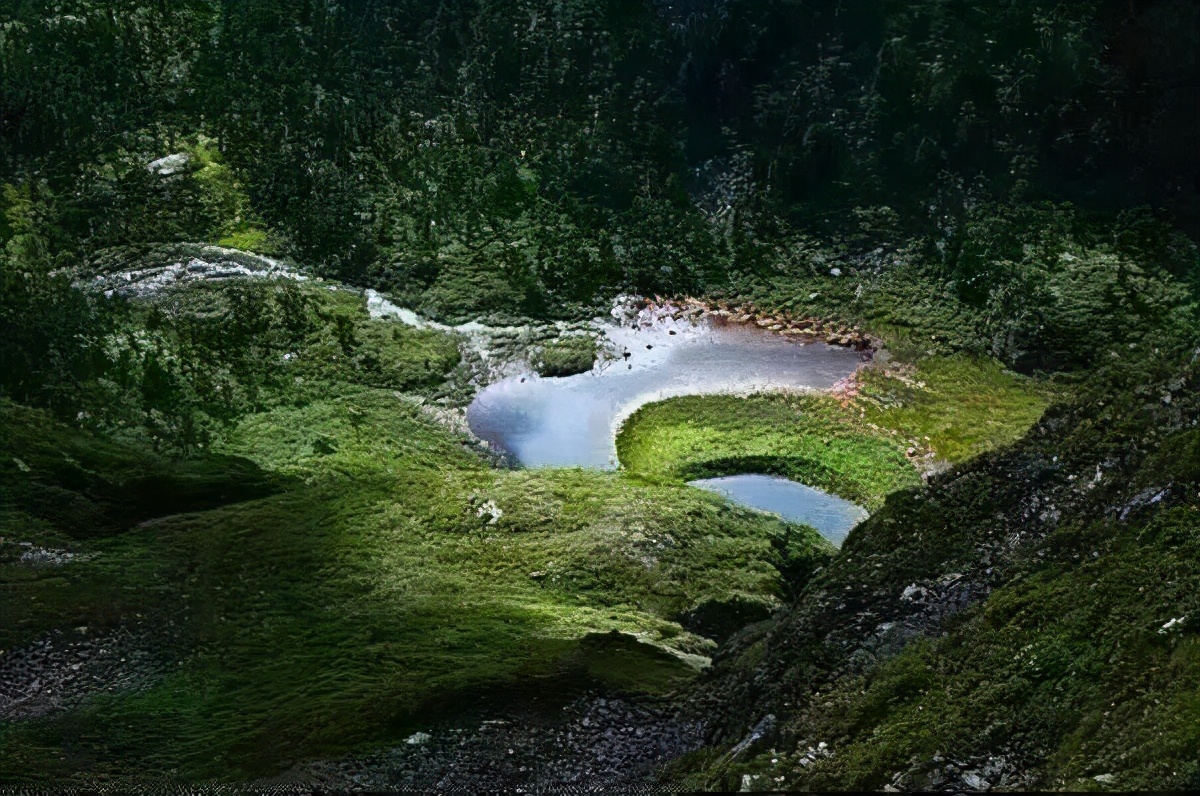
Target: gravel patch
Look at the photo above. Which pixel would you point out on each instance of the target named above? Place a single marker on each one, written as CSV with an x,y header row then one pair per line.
x,y
61,669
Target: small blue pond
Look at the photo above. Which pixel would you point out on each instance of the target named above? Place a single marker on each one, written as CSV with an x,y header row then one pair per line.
x,y
794,502
571,422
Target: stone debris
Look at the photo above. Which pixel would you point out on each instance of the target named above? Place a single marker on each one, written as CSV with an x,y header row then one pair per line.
x,y
171,164
44,557
489,510
980,774
595,744
61,669
1172,624
757,738
210,263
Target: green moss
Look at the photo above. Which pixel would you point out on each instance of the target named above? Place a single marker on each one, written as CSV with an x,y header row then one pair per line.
x,y
84,486
250,239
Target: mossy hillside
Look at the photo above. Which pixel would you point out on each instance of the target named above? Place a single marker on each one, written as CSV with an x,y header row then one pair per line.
x,y
397,574
116,199
1028,615
1086,664
857,447
1069,665
177,367
895,296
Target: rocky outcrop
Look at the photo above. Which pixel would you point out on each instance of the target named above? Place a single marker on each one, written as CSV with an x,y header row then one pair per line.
x,y
803,329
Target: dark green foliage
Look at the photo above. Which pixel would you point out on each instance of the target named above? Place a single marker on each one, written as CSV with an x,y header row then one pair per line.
x,y
48,330
1041,287
76,75
882,101
518,158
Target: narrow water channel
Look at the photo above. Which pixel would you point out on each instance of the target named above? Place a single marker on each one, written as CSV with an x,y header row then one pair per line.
x,y
572,421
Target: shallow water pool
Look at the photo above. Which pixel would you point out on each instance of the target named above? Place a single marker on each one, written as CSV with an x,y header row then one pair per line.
x,y
794,502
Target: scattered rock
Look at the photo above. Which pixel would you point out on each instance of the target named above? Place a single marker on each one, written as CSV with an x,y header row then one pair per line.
x,y
171,164
595,744
61,669
756,740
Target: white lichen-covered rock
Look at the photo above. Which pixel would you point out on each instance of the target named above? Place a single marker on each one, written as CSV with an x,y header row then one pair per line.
x,y
171,164
489,511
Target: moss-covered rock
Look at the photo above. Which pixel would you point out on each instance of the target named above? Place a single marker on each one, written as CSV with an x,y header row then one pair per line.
x,y
566,356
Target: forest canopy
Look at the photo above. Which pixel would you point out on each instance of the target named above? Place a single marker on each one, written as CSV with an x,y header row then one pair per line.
x,y
532,159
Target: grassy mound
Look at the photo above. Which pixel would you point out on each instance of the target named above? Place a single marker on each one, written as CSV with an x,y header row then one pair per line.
x,y
803,437
857,448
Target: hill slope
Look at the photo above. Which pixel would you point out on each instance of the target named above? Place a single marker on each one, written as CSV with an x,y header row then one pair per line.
x,y
1027,620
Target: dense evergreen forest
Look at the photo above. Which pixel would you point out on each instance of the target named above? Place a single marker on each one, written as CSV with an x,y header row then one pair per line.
x,y
1004,196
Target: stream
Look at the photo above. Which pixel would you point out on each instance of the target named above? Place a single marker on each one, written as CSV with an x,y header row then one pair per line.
x,y
573,421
